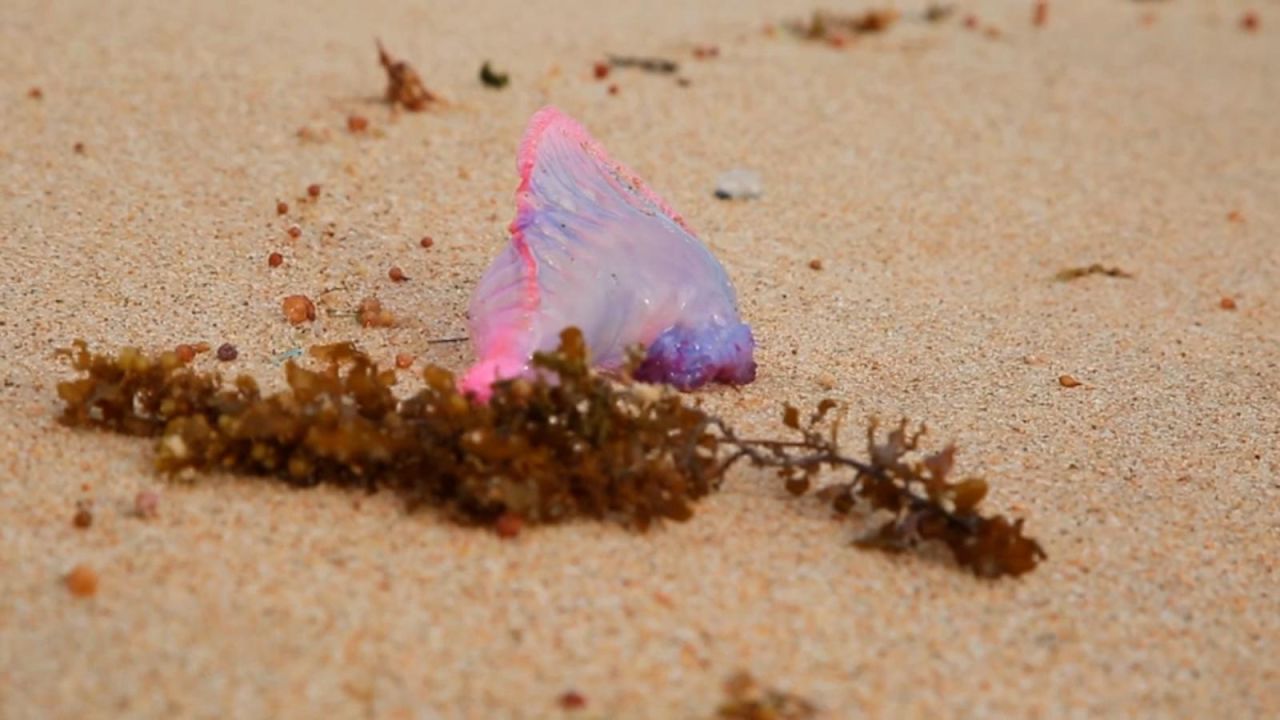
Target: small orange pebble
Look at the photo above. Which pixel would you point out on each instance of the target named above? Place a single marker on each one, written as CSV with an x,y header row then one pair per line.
x,y
83,517
357,123
572,700
426,241
992,32
82,581
201,347
275,259
815,264
1068,381
404,361
294,231
35,93
1249,21
313,190
1227,303
613,89
508,525
298,309
1040,15
706,52
78,148
397,275
1235,216
282,207
971,22
372,314
185,353
837,41
600,70
1147,19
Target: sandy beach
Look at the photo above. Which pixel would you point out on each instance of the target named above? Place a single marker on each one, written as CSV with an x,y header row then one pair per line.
x,y
941,173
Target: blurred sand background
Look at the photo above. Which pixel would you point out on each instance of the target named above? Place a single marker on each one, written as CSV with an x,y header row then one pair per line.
x,y
941,175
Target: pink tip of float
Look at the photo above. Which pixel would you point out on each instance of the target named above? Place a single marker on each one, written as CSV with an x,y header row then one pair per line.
x,y
479,379
593,247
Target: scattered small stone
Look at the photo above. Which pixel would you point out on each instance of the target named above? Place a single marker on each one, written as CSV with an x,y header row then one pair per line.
x,y
357,123
313,190
1249,21
146,504
426,241
1040,15
683,82
84,515
706,52
600,70
739,184
282,207
275,259
78,148
294,231
1034,359
613,89
404,361
227,352
35,93
826,381
298,309
82,581
185,353
372,314
1068,381
1227,303
971,22
815,264
508,525
396,274
1235,216
492,78
572,700
746,699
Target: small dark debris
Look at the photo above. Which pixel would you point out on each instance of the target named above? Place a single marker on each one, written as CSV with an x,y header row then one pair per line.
x,y
1076,273
404,85
648,64
227,352
492,78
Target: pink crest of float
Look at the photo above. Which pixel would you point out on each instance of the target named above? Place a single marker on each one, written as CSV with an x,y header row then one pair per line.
x,y
592,246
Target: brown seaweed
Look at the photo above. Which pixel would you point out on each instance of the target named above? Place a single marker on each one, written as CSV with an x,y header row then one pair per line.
x,y
569,443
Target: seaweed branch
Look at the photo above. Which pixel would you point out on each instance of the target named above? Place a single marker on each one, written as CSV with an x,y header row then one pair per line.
x,y
567,443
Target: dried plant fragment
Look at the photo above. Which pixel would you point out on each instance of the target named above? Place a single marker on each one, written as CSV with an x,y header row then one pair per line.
x,y
1076,273
827,26
404,85
660,66
747,700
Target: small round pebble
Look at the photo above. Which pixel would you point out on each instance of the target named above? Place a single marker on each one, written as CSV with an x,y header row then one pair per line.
x,y
508,525
426,241
357,123
282,207
313,190
294,231
298,309
82,581
227,352
1068,381
739,184
83,518
275,259
397,275
185,353
404,361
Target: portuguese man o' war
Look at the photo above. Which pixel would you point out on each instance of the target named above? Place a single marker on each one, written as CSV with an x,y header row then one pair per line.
x,y
592,247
